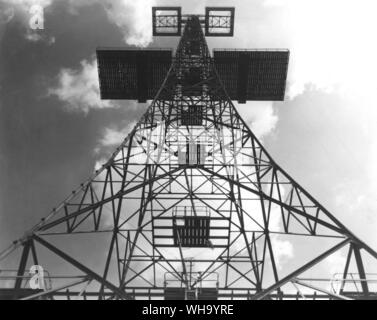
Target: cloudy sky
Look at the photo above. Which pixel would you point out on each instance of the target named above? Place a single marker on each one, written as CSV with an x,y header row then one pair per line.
x,y
54,129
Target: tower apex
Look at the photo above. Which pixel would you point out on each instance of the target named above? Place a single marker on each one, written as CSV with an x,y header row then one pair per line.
x,y
217,21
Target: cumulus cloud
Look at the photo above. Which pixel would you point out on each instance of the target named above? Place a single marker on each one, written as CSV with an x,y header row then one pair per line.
x,y
335,263
98,164
27,4
132,17
6,13
114,136
79,89
259,115
33,36
111,137
331,43
25,10
283,249
332,50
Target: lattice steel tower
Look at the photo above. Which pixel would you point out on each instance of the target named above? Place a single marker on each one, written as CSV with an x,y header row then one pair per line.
x,y
190,205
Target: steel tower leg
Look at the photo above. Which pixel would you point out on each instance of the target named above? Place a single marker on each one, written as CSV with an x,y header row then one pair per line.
x,y
190,184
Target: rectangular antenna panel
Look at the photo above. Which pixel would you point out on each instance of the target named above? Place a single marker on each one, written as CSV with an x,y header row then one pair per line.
x,y
167,21
253,74
219,21
132,74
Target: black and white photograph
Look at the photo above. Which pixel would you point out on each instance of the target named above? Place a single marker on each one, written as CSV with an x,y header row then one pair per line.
x,y
202,150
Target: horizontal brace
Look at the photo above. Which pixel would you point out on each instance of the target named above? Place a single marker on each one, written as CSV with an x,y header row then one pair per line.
x,y
198,216
172,237
170,227
174,246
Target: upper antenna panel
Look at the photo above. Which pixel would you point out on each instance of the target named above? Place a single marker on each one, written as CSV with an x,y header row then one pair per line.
x,y
217,21
167,21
